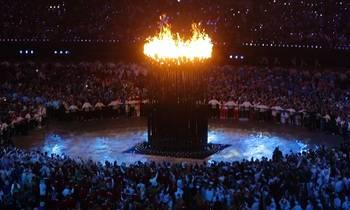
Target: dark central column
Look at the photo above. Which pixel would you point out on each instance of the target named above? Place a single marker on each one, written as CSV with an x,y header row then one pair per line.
x,y
178,118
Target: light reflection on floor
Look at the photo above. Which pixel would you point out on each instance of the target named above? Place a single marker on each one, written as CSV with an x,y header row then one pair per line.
x,y
107,141
254,145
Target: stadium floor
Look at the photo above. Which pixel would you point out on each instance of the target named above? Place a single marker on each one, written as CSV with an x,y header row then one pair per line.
x,y
102,140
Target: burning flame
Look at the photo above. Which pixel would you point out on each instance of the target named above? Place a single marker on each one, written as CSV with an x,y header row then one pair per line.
x,y
169,47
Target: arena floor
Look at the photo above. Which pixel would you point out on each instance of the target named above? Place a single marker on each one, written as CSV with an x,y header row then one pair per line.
x,y
109,139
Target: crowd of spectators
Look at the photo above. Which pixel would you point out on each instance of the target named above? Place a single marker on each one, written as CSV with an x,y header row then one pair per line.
x,y
301,97
310,180
313,22
314,98
27,90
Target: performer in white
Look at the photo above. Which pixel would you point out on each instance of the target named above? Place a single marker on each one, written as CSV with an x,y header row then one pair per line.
x,y
87,107
40,115
230,104
246,105
115,104
73,108
99,105
276,113
291,113
263,112
214,104
138,106
284,117
223,110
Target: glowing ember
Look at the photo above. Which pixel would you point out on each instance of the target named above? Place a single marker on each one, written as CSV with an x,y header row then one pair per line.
x,y
169,47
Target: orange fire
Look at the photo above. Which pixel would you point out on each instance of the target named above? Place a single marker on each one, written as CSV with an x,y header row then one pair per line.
x,y
167,47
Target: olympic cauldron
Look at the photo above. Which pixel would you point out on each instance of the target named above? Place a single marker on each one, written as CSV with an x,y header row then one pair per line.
x,y
178,119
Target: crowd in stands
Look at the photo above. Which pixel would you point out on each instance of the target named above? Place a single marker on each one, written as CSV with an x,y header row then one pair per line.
x,y
313,98
310,180
27,90
18,115
302,97
316,22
